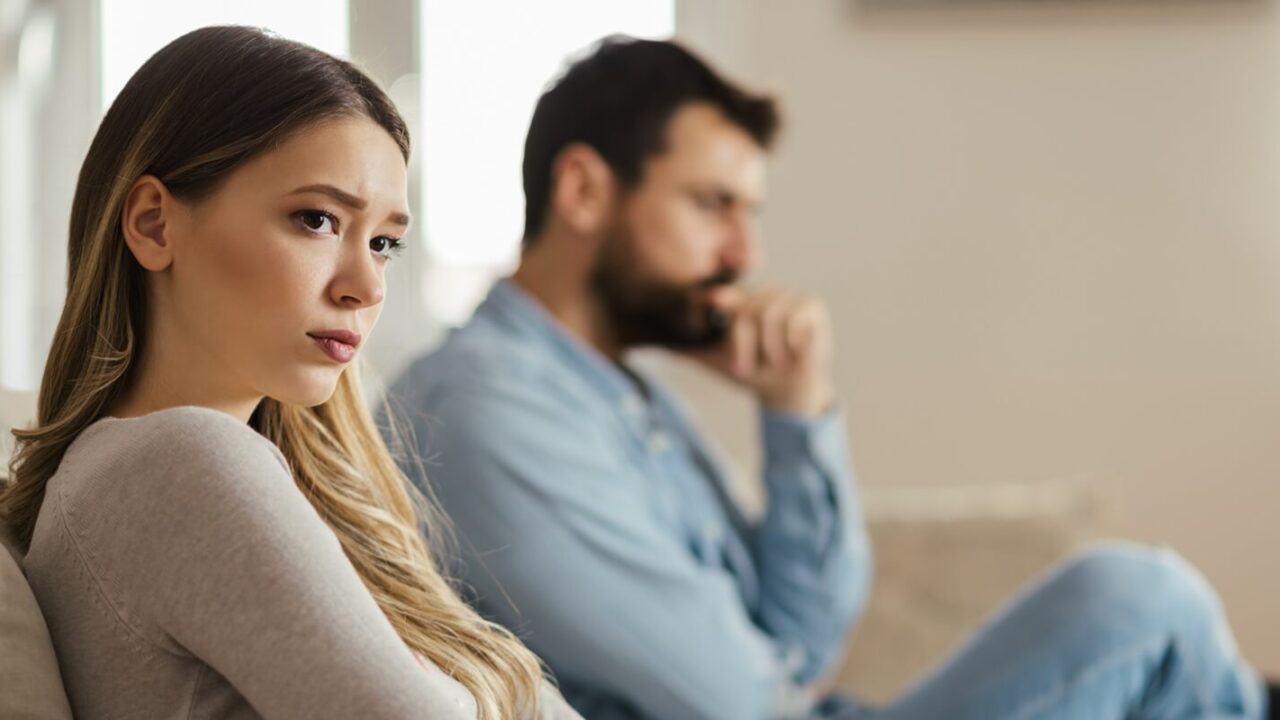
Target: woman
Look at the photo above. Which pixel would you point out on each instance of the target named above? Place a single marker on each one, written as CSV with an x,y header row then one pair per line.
x,y
214,528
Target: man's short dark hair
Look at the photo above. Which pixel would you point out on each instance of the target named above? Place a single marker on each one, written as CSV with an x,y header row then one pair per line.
x,y
618,100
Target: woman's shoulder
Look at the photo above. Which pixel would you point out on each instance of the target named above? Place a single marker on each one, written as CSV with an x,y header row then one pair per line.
x,y
181,454
553,706
186,427
150,508
191,433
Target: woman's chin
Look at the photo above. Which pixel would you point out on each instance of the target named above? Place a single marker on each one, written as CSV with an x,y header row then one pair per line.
x,y
316,389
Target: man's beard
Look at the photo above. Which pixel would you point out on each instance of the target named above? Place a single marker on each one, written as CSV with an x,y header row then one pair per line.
x,y
646,311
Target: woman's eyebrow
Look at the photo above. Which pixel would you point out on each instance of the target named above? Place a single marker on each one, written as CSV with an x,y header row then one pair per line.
x,y
351,201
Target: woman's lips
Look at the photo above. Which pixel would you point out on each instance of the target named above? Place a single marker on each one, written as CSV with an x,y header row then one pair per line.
x,y
339,345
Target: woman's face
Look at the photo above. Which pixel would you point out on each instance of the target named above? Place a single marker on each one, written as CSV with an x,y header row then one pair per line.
x,y
276,279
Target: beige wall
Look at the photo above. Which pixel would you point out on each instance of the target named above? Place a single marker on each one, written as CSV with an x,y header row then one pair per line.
x,y
1050,233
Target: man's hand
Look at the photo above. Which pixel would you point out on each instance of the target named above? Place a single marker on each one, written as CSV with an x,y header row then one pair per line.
x,y
778,345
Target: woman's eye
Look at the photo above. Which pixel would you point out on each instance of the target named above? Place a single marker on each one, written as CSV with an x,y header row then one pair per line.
x,y
318,221
386,246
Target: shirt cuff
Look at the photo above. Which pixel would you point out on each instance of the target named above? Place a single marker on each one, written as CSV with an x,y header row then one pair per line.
x,y
787,437
807,464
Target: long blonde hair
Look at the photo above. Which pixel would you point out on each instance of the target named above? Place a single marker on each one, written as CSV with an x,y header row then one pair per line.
x,y
198,109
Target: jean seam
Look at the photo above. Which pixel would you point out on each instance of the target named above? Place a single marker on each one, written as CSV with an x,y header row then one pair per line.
x,y
1038,704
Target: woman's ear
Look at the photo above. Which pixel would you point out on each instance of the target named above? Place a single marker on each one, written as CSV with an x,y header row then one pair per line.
x,y
582,188
144,222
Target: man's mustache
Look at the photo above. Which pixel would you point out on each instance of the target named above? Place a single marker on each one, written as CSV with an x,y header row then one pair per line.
x,y
727,276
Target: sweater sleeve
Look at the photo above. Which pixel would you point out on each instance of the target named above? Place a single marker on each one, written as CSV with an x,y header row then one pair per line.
x,y
203,546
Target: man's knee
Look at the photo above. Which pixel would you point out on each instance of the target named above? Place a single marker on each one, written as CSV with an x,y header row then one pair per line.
x,y
1126,582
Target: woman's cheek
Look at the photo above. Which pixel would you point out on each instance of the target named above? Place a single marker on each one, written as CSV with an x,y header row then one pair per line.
x,y
290,272
372,314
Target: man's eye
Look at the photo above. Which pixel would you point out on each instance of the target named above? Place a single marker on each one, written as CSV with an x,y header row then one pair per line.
x,y
712,202
317,221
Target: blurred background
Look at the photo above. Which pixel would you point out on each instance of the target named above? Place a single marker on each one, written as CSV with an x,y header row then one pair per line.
x,y
1049,231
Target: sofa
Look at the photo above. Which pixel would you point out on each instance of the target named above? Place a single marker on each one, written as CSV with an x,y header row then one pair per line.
x,y
30,684
945,558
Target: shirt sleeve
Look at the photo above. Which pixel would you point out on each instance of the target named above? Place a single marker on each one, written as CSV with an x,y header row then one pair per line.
x,y
210,551
811,547
561,545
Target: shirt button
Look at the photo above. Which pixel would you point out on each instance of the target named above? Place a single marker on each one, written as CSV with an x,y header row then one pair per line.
x,y
632,406
712,533
658,442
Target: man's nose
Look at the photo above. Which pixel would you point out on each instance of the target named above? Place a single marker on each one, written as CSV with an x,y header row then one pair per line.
x,y
743,251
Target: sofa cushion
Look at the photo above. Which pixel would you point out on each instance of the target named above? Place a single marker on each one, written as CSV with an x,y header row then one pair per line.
x,y
945,559
28,669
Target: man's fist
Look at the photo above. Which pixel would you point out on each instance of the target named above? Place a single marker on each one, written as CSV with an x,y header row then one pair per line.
x,y
778,344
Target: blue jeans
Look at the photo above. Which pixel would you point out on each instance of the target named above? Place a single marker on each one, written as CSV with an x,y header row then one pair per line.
x,y
1121,632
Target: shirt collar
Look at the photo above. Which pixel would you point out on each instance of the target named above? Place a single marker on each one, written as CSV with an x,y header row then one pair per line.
x,y
508,303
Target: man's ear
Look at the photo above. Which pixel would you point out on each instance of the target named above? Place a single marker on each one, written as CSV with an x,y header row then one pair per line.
x,y
583,188
147,210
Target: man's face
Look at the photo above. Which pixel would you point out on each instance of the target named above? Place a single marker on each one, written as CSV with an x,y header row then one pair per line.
x,y
686,229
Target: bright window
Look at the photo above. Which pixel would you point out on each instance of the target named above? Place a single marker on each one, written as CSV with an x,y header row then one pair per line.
x,y
132,30
485,63
24,79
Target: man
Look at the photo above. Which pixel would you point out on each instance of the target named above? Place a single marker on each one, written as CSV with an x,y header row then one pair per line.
x,y
593,521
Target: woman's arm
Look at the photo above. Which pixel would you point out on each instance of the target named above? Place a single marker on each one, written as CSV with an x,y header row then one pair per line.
x,y
210,550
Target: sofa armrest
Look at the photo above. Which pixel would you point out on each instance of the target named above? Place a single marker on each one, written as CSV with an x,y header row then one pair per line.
x,y
32,683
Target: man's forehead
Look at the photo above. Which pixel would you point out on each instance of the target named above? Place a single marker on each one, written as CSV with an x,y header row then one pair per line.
x,y
701,126
704,146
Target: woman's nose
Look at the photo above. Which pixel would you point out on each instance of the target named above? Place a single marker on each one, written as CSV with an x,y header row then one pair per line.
x,y
358,282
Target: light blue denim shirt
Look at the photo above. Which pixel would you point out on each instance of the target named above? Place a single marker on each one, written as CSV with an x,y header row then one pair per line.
x,y
592,520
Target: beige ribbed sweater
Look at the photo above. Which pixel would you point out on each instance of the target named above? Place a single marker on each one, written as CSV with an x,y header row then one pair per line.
x,y
183,575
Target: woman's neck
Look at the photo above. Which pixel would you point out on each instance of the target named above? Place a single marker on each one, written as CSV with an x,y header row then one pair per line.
x,y
169,382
